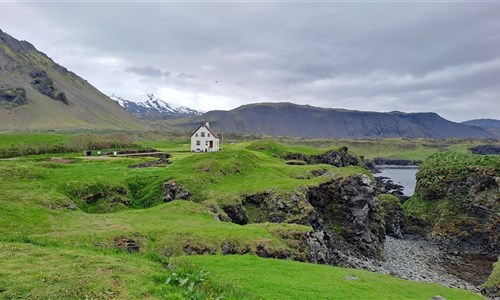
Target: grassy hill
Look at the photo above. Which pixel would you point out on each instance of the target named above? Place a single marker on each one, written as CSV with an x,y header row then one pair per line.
x,y
82,105
64,224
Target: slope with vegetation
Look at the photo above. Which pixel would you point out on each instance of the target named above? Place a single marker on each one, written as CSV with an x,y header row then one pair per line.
x,y
37,93
108,232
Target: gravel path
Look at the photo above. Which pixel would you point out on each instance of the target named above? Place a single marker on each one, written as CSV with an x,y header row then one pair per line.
x,y
420,260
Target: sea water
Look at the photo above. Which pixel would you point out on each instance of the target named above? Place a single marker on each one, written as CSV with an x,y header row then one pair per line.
x,y
402,175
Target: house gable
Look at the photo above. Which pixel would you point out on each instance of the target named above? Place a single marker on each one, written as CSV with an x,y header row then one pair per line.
x,y
204,139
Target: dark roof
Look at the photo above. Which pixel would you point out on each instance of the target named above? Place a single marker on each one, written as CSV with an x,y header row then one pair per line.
x,y
207,127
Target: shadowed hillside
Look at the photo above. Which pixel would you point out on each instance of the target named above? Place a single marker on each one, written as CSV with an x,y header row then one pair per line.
x,y
289,119
37,93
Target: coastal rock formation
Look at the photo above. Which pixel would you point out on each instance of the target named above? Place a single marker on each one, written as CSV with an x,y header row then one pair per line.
x,y
346,208
465,191
351,208
337,158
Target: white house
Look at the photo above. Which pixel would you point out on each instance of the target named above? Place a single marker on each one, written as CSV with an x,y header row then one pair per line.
x,y
204,139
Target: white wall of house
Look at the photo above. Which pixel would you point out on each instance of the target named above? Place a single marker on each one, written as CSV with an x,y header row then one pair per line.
x,y
203,140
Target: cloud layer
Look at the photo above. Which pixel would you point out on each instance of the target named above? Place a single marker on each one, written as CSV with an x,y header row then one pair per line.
x,y
441,57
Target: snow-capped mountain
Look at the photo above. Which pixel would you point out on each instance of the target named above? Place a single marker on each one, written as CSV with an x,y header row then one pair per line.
x,y
155,108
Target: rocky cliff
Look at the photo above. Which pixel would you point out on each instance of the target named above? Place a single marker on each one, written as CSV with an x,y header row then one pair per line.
x,y
345,210
457,200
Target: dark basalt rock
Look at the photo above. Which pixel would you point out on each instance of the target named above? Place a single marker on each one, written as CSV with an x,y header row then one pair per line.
x,y
173,191
486,150
396,162
45,85
385,185
291,207
340,158
236,213
127,244
11,97
349,207
474,195
491,292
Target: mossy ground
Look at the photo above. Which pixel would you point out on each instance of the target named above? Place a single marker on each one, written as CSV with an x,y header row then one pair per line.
x,y
54,243
494,279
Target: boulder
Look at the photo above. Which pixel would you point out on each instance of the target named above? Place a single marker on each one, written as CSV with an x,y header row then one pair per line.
x,y
236,213
340,158
173,191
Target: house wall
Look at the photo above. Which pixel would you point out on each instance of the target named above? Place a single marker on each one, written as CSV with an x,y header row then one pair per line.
x,y
204,142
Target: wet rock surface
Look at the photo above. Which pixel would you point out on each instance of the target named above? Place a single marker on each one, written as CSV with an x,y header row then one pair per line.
x,y
385,185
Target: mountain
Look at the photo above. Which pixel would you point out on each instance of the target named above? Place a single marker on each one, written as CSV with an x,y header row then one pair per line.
x,y
287,119
484,123
37,93
491,125
155,108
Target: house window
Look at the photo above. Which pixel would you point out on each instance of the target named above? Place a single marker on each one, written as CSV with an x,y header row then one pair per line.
x,y
202,134
197,143
208,134
196,135
206,143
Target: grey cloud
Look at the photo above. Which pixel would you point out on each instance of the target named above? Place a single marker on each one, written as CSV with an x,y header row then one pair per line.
x,y
378,56
145,71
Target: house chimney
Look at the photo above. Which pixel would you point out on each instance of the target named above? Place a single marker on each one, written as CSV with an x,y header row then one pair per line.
x,y
207,124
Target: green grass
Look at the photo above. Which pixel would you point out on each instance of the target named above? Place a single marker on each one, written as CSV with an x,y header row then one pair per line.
x,y
395,148
32,272
277,279
55,244
494,279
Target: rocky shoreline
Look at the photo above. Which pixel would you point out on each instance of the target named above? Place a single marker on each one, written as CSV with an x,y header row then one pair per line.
x,y
419,259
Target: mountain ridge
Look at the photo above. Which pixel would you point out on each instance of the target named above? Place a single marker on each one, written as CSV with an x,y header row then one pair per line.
x,y
155,108
288,119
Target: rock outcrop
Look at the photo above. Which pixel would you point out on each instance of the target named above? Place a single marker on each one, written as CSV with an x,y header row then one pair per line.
x,y
337,158
236,213
45,85
464,194
11,97
351,208
393,215
173,191
344,208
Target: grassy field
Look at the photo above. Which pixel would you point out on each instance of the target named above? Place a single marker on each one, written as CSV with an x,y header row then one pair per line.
x,y
60,223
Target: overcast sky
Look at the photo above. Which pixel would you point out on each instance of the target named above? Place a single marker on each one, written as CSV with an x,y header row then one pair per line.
x,y
385,56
